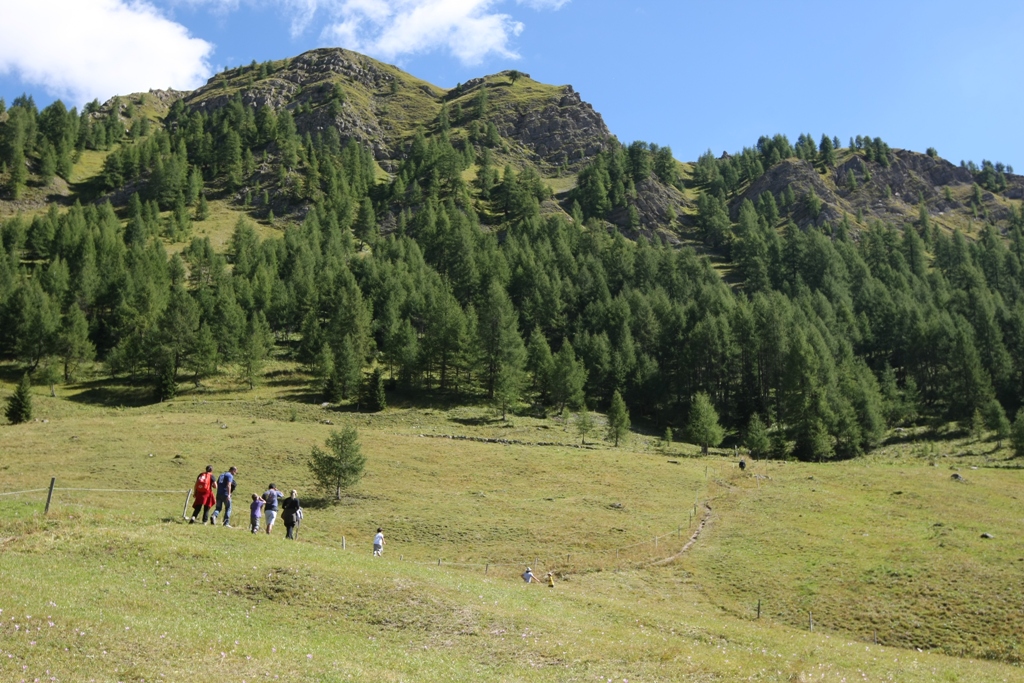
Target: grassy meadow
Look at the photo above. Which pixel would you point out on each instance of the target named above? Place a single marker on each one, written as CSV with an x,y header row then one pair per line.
x,y
115,586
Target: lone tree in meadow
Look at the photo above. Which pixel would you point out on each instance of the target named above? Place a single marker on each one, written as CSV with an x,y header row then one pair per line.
x,y
758,442
19,405
584,423
703,426
341,465
618,418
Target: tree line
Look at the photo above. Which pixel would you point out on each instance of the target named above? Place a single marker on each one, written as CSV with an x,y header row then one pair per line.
x,y
440,285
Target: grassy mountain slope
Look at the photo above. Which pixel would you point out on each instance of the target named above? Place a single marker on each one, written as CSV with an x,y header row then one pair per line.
x,y
116,586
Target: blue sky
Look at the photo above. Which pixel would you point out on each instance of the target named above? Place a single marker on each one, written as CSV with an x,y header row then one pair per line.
x,y
693,75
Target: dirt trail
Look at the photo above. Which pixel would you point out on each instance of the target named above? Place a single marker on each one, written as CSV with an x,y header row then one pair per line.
x,y
705,519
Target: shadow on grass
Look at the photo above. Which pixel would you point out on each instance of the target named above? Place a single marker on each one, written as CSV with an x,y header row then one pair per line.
x,y
322,502
476,421
114,393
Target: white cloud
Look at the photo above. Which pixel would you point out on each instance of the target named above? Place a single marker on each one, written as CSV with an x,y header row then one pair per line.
x,y
85,49
543,4
469,29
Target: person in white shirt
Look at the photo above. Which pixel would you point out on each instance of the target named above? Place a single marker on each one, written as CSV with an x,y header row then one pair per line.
x,y
528,576
378,542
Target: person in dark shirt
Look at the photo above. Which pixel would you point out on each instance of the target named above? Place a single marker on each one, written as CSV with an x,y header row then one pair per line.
x,y
272,496
291,513
225,487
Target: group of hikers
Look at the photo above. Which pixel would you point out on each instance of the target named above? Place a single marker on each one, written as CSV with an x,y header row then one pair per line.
x,y
216,495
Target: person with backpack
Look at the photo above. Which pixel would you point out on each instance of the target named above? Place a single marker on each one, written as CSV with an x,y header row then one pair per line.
x,y
225,487
291,513
203,493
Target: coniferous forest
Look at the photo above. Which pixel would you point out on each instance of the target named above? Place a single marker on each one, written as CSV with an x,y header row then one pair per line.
x,y
456,272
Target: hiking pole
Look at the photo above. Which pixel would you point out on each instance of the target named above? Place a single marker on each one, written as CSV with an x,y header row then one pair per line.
x,y
184,509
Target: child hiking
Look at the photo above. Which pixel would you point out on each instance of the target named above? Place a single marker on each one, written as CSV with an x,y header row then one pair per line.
x,y
255,512
378,542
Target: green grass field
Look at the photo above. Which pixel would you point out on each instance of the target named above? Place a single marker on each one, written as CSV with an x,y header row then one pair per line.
x,y
114,586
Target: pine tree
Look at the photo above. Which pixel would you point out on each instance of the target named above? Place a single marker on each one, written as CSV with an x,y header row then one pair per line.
x,y
827,151
618,418
757,440
568,378
703,427
977,426
323,374
73,342
254,349
47,163
202,357
19,404
348,368
540,363
996,420
202,208
341,466
501,346
366,221
166,381
18,174
48,373
584,423
373,399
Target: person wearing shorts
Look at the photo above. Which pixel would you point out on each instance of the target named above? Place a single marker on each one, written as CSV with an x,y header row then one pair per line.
x,y
272,496
378,542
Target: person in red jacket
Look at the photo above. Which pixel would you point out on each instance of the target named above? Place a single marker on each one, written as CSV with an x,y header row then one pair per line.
x,y
203,493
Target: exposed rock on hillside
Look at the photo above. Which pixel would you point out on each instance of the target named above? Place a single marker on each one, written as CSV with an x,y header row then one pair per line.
x,y
656,203
802,177
563,131
548,126
891,194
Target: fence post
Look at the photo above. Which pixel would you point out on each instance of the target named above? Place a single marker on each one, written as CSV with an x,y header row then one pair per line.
x,y
49,496
486,568
439,562
758,609
184,509
342,542
810,621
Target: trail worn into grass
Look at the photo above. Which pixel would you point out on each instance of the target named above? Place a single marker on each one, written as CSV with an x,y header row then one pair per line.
x,y
704,521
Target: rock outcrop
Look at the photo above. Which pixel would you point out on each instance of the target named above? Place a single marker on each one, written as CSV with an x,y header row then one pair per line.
x,y
566,131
